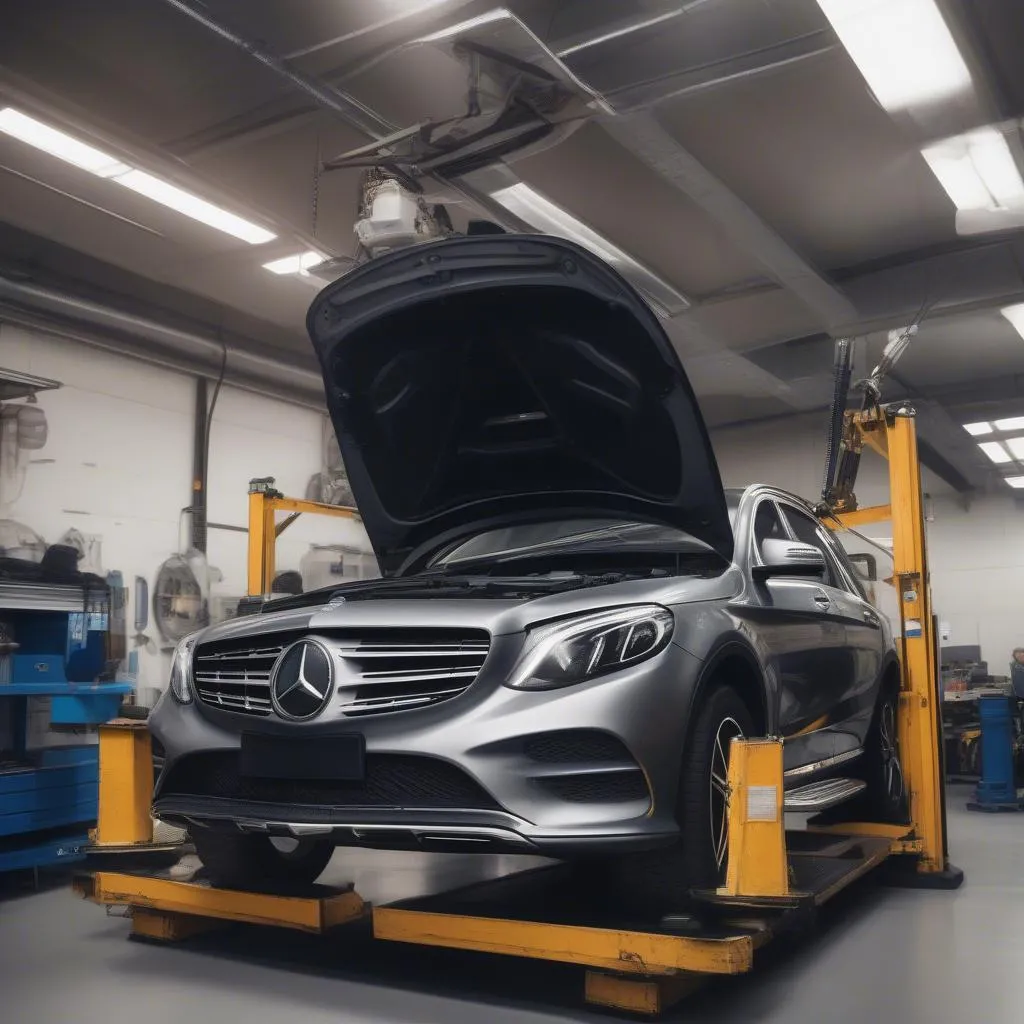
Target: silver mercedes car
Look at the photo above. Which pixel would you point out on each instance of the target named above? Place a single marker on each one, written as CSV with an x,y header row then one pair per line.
x,y
574,620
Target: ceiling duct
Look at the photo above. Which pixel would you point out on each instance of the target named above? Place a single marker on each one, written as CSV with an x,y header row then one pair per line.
x,y
32,305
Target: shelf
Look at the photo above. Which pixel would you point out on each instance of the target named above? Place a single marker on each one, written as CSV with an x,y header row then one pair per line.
x,y
64,689
41,597
14,384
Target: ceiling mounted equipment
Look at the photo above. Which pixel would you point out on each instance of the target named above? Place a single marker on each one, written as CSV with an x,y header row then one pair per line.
x,y
519,97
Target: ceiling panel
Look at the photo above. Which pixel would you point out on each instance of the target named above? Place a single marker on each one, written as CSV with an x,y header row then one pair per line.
x,y
138,63
597,180
807,147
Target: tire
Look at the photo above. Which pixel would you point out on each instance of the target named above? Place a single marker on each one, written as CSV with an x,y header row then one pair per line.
x,y
885,798
659,881
255,862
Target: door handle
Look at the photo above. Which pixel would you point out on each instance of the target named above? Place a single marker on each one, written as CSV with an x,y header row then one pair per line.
x,y
822,600
871,618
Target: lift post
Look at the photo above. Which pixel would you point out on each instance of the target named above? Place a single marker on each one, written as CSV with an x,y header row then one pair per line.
x,y
890,432
265,501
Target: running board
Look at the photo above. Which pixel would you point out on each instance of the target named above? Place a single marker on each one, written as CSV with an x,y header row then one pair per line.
x,y
820,796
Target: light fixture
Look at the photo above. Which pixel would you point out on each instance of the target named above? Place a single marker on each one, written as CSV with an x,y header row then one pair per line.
x,y
540,213
300,263
190,205
978,429
59,144
995,451
1016,446
1013,423
1015,481
903,48
977,170
1015,314
73,151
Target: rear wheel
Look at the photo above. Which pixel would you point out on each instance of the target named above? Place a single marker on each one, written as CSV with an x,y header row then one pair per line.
x,y
256,862
885,797
659,881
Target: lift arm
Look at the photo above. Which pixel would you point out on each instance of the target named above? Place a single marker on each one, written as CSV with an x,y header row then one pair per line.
x,y
264,503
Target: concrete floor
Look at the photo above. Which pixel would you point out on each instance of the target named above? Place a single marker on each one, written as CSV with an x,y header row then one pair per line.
x,y
878,954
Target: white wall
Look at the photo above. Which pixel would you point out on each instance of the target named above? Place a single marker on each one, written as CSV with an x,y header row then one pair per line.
x,y
977,554
118,464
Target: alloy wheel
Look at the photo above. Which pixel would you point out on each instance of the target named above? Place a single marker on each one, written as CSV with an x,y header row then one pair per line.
x,y
892,770
728,730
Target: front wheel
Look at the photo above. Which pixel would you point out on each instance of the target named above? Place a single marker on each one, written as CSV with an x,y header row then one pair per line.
x,y
254,862
659,881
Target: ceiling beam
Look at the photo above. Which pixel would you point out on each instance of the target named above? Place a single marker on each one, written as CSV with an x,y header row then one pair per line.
x,y
642,135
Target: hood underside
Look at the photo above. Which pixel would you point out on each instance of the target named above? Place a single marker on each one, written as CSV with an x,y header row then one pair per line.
x,y
495,379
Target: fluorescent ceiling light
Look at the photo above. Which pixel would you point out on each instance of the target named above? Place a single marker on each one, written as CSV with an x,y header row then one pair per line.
x,y
978,429
1013,423
88,158
300,263
1015,481
903,48
977,170
190,205
498,14
1015,314
57,143
995,451
546,217
1016,446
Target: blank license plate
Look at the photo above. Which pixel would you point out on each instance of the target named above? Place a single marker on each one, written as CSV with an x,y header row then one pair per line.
x,y
278,757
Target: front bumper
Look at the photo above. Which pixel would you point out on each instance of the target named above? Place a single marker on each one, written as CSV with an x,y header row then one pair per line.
x,y
586,769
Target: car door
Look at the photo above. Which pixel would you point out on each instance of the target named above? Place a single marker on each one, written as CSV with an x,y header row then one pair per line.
x,y
867,635
798,640
850,668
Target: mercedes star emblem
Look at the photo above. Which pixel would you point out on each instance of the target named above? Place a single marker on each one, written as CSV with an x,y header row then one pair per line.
x,y
301,680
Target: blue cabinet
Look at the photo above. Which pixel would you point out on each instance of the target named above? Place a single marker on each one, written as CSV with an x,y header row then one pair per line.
x,y
48,798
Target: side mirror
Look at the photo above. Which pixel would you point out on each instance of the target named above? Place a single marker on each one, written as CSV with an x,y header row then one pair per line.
x,y
789,558
866,564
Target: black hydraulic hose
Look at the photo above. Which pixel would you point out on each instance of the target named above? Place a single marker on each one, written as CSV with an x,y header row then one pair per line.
x,y
842,373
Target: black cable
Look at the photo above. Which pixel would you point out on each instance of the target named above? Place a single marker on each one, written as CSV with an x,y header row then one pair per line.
x,y
213,405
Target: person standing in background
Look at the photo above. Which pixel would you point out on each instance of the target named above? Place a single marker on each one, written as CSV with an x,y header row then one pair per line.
x,y
1017,673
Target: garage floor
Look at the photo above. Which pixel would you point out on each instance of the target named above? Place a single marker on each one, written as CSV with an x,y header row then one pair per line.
x,y
879,954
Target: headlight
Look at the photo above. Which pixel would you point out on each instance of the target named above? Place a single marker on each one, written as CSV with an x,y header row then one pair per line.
x,y
180,683
578,649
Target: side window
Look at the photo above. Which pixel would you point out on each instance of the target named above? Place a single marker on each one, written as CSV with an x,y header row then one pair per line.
x,y
767,525
854,577
807,530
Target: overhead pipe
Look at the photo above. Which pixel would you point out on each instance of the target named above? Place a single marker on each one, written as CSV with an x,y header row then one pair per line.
x,y
35,306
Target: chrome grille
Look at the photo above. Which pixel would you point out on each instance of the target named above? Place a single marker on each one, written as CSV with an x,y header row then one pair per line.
x,y
377,671
235,674
397,670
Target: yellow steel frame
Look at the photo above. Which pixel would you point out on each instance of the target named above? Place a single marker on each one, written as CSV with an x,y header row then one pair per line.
x,y
892,435
264,504
126,785
176,907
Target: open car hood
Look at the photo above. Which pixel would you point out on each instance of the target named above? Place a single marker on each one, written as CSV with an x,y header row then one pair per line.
x,y
476,382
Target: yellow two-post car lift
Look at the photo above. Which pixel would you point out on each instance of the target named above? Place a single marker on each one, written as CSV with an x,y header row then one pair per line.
x,y
773,876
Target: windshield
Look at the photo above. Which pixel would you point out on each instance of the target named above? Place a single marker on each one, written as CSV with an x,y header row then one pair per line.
x,y
574,535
